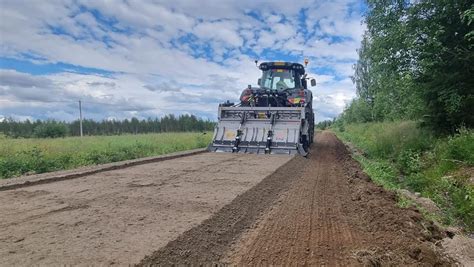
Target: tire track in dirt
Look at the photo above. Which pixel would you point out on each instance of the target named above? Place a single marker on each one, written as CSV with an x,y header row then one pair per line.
x,y
334,216
317,211
308,227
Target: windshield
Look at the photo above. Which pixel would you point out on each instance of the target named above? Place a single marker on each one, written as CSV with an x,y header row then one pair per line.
x,y
278,79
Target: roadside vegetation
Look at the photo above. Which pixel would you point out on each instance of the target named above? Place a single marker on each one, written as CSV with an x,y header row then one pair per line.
x,y
413,117
19,156
401,155
29,147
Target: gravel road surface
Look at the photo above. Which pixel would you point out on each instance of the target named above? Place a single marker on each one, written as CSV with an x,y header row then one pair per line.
x,y
320,211
118,217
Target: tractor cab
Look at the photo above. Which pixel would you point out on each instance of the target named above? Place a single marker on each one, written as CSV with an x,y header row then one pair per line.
x,y
281,76
282,84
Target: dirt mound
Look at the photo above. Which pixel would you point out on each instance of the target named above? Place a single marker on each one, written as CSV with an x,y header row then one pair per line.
x,y
317,211
461,248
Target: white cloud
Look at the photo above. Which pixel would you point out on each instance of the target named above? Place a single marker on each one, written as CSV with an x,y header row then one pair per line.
x,y
284,31
324,79
153,71
273,19
224,31
331,96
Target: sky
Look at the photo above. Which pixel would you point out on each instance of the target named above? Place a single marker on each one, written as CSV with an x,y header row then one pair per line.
x,y
132,58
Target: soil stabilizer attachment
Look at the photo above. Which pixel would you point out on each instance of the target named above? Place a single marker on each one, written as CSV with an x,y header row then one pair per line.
x,y
260,130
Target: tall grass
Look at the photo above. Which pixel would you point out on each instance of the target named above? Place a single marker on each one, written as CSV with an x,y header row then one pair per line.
x,y
29,156
402,155
387,139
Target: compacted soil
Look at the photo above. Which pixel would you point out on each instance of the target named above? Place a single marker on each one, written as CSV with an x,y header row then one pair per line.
x,y
118,217
322,210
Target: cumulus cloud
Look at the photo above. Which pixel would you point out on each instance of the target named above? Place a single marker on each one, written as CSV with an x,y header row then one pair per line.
x,y
164,87
55,96
169,56
224,31
331,96
12,78
22,86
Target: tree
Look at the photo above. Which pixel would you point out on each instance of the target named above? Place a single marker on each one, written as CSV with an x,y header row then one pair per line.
x,y
416,61
445,61
50,128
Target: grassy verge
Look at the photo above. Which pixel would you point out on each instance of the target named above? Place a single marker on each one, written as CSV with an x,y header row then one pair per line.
x,y
29,156
400,155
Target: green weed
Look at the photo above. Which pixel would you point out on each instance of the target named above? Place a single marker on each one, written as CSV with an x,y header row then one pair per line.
x,y
381,172
404,202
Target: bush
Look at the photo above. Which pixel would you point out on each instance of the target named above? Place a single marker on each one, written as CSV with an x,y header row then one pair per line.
x,y
409,161
459,147
51,130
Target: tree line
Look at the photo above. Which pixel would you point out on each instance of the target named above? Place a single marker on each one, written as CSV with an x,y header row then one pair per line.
x,y
53,128
416,62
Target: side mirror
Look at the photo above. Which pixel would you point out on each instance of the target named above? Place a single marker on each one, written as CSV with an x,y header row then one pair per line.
x,y
259,81
313,82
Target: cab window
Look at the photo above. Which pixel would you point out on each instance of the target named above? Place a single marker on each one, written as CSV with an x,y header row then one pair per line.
x,y
278,79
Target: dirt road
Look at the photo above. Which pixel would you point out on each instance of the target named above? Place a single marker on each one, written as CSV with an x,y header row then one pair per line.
x,y
218,208
120,216
319,211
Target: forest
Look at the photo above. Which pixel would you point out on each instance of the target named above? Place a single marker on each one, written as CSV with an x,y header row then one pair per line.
x,y
416,62
52,128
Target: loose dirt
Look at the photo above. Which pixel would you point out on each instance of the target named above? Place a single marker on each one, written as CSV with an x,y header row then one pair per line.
x,y
317,211
118,217
460,248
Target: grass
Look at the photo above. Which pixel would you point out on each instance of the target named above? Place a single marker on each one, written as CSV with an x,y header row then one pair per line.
x,y
381,172
400,155
30,156
404,202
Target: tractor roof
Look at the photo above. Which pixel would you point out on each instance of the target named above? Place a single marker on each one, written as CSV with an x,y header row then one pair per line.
x,y
283,65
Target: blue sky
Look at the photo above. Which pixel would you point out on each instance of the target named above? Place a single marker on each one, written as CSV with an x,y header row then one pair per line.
x,y
150,58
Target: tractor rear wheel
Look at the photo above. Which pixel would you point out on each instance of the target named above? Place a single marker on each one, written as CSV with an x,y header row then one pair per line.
x,y
305,143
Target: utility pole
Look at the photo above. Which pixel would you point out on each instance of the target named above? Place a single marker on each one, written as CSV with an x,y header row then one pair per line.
x,y
80,116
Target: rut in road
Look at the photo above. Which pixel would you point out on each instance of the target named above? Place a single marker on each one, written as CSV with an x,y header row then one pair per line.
x,y
320,211
334,216
310,225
